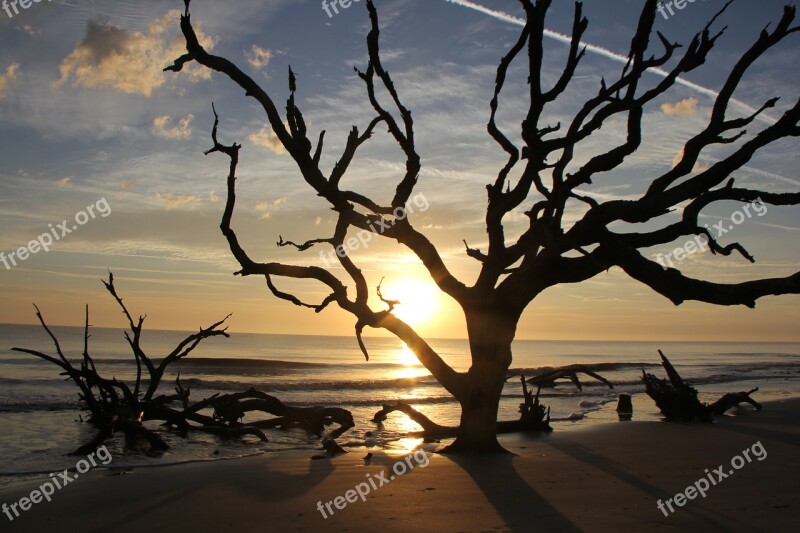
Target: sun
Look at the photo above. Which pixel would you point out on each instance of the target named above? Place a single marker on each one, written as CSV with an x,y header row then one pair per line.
x,y
406,357
419,300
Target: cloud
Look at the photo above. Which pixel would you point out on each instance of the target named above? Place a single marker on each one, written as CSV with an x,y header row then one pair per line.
x,y
64,182
213,197
7,78
699,166
266,138
265,207
30,30
687,106
621,58
131,62
171,201
259,57
182,131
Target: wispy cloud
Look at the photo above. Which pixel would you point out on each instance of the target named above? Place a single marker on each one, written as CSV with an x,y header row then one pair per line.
x,y
30,30
259,57
266,207
687,106
7,78
266,138
171,201
161,127
605,52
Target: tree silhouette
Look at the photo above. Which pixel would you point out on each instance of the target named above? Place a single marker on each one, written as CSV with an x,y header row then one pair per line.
x,y
550,251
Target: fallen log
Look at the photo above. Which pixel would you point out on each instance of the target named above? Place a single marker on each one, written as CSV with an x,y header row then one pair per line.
x,y
677,400
548,379
733,399
431,431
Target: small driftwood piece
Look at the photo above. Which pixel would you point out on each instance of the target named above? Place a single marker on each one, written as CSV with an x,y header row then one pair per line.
x,y
733,399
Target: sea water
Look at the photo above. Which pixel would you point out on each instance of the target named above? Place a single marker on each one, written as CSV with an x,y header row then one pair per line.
x,y
42,422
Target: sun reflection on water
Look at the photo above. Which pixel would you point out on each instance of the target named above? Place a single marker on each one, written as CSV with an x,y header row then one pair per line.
x,y
411,365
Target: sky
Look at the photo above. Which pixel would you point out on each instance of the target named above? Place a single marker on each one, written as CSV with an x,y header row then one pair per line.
x,y
94,133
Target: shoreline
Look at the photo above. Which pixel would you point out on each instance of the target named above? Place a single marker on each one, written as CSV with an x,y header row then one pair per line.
x,y
601,477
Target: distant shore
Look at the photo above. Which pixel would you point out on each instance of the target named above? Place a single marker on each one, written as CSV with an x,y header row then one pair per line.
x,y
607,477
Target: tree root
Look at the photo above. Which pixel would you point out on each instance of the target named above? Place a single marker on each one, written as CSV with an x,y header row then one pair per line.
x,y
533,417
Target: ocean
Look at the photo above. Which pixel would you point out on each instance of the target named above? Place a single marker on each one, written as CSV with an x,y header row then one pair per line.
x,y
41,421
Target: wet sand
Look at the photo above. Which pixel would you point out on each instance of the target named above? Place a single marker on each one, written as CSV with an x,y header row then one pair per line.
x,y
604,478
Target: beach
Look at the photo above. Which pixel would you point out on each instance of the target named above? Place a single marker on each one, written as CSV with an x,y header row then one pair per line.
x,y
606,477
40,411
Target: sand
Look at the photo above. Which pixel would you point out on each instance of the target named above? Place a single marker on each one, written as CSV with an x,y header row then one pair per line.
x,y
604,478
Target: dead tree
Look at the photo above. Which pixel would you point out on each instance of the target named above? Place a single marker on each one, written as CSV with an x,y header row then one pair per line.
x,y
542,174
677,400
115,406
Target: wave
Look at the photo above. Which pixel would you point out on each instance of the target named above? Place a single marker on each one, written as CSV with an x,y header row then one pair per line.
x,y
594,367
22,406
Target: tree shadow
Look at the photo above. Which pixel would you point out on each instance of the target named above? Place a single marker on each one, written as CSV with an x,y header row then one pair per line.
x,y
618,470
512,497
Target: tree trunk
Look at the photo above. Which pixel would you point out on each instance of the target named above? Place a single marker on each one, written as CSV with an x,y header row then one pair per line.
x,y
490,338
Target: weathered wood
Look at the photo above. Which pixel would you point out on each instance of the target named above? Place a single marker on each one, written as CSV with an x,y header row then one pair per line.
x,y
677,400
114,406
570,372
431,430
733,399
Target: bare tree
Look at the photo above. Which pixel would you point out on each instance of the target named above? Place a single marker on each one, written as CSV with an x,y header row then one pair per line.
x,y
549,252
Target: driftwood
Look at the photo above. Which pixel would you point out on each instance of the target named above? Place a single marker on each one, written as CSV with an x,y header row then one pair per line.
x,y
733,399
430,430
548,379
677,400
115,406
533,417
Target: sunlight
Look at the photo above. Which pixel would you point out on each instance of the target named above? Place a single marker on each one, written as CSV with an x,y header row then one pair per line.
x,y
406,357
419,301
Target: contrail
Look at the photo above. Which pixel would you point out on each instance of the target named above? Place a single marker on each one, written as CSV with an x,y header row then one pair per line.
x,y
605,52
